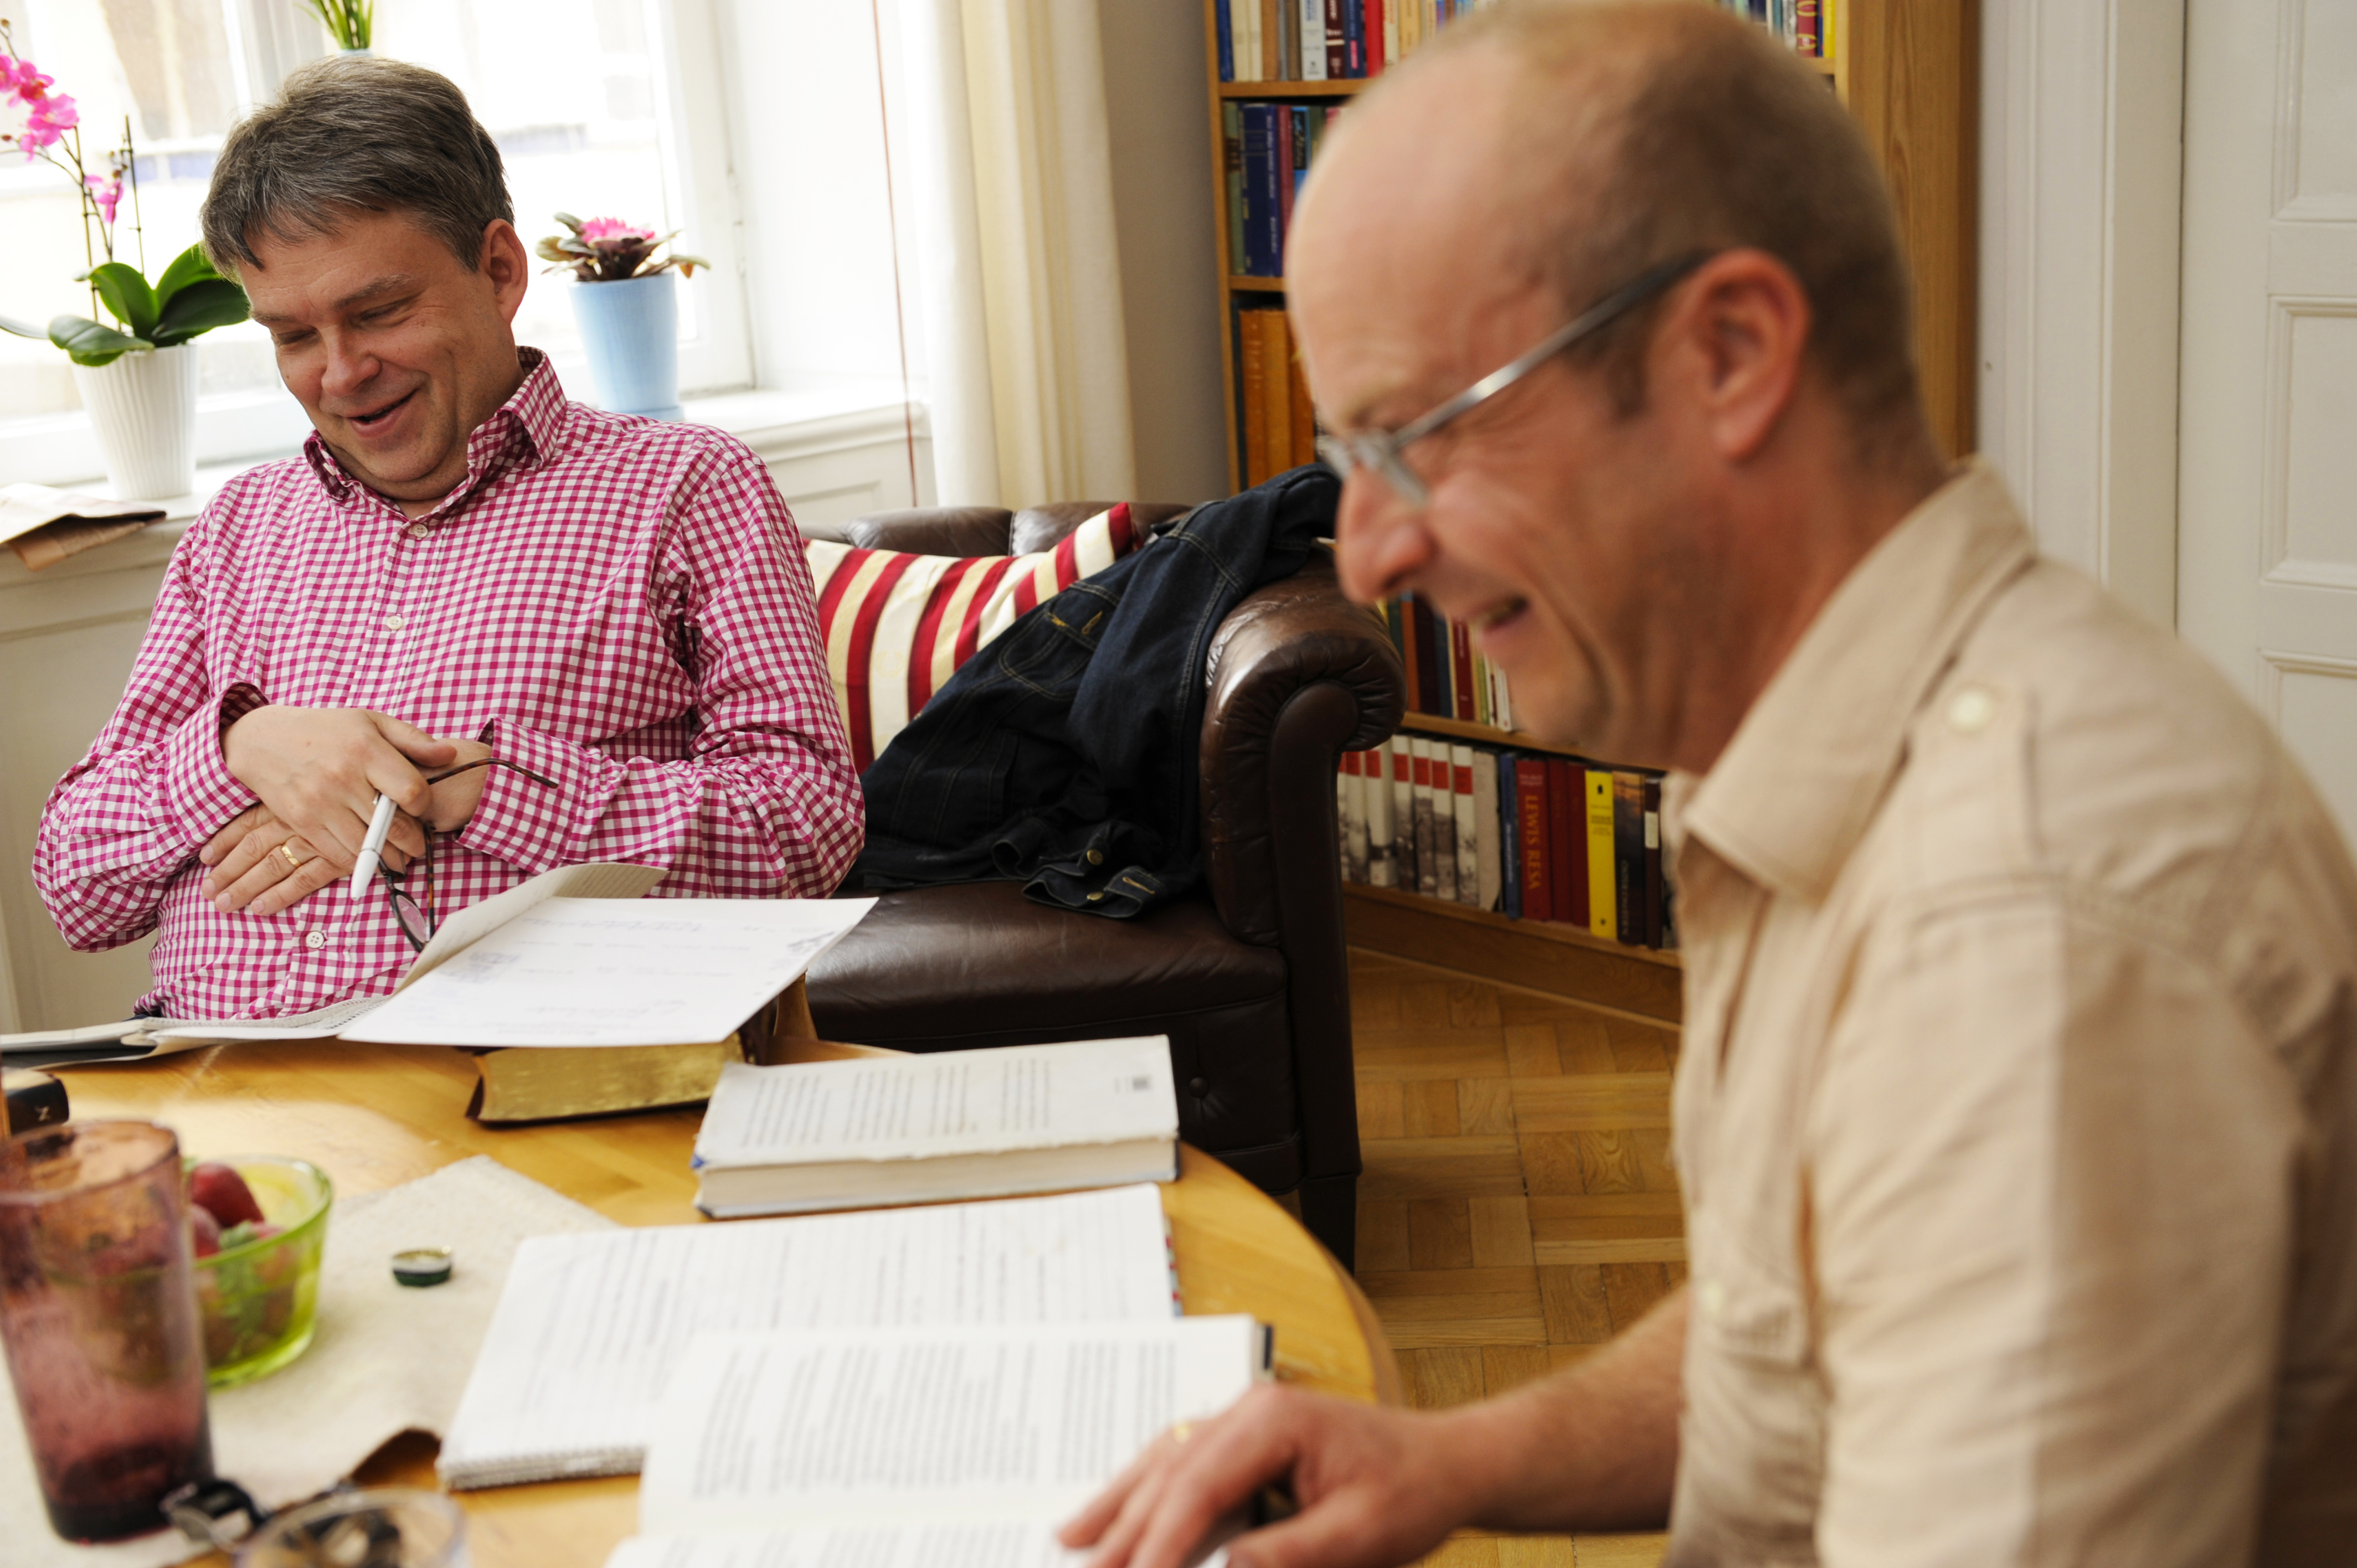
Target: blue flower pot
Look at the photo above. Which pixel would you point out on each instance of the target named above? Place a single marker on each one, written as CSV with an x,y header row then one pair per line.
x,y
630,330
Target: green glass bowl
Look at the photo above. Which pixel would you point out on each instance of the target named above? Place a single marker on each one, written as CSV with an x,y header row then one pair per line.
x,y
260,1297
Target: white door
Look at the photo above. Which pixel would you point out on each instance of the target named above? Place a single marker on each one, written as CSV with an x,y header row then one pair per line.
x,y
2267,400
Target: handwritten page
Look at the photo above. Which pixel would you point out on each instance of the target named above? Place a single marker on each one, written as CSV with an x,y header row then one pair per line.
x,y
590,1328
1012,1097
598,972
968,1424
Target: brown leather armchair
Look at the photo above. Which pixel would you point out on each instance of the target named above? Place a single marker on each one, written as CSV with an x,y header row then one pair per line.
x,y
1249,977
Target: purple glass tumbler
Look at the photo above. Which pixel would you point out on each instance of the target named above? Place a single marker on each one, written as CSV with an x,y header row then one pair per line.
x,y
99,1315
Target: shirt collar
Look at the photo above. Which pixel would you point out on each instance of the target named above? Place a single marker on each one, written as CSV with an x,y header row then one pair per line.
x,y
1797,786
527,431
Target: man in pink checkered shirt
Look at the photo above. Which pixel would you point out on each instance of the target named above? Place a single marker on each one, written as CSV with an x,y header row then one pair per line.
x,y
551,635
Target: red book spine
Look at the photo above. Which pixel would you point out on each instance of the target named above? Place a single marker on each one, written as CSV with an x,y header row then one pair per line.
x,y
1808,29
1460,666
1531,813
1286,155
1567,843
1374,27
1338,49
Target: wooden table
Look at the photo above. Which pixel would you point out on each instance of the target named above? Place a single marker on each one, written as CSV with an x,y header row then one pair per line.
x,y
375,1116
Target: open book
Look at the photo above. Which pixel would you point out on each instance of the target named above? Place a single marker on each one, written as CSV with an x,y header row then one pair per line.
x,y
568,958
590,1329
919,1129
981,1439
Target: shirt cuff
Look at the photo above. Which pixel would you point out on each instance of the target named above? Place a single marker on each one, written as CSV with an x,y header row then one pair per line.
x,y
201,794
520,821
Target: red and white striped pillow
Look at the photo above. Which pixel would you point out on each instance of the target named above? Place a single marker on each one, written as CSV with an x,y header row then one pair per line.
x,y
897,626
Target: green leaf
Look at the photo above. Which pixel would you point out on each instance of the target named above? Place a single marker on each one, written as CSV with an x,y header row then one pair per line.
x,y
689,263
88,343
571,222
126,294
21,328
199,308
549,250
190,265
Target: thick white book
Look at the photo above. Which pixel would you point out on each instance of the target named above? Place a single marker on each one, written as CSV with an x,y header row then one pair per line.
x,y
1468,834
975,1441
590,1328
1383,863
1489,869
952,1124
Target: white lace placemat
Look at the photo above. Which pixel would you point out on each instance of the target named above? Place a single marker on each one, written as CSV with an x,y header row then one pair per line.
x,y
386,1358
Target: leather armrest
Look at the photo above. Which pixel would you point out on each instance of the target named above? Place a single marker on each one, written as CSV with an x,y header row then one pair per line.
x,y
1297,675
928,531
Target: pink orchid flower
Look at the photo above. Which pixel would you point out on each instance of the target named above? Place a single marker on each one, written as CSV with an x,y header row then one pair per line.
x,y
595,228
24,79
50,119
106,190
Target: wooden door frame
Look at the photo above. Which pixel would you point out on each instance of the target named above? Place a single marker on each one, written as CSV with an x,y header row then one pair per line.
x,y
2082,106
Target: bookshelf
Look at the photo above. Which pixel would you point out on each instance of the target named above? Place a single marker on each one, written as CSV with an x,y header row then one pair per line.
x,y
1908,70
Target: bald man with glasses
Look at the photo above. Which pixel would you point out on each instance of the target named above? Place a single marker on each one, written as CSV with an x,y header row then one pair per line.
x,y
2016,1110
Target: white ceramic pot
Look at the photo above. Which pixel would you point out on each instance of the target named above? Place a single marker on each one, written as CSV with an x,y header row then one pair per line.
x,y
143,406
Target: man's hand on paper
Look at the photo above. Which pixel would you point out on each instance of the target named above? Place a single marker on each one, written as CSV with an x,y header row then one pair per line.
x,y
319,770
261,864
1375,1486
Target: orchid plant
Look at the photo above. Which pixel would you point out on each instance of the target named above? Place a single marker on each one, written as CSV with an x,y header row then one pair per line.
x,y
351,22
607,250
190,299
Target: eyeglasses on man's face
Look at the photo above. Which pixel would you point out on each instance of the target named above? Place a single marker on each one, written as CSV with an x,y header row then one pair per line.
x,y
1379,451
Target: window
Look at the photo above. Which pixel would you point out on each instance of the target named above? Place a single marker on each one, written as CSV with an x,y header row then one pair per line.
x,y
588,104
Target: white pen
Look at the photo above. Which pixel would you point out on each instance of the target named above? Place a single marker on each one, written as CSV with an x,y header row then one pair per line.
x,y
372,846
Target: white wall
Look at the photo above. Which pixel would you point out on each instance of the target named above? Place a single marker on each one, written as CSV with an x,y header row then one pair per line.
x,y
1156,98
2081,109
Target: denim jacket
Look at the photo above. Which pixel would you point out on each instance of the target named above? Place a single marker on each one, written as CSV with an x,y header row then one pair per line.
x,y
1063,755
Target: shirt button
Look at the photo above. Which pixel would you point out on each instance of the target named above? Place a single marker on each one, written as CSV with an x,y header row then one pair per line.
x,y
1969,710
316,940
393,623
417,530
1711,1297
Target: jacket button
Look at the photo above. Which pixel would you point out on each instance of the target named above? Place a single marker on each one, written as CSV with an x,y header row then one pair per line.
x,y
1198,1086
1096,857
1096,898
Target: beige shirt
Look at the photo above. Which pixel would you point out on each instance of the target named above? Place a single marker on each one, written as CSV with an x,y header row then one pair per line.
x,y
2018,1111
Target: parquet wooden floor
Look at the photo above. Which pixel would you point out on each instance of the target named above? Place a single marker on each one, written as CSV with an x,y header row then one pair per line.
x,y
1518,1206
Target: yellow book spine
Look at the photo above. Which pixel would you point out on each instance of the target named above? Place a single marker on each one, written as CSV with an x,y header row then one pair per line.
x,y
1603,918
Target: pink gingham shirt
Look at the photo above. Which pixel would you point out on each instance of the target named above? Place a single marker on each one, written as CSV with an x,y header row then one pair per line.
x,y
615,603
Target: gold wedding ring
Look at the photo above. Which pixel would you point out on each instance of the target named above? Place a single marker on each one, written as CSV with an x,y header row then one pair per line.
x,y
287,854
1183,1430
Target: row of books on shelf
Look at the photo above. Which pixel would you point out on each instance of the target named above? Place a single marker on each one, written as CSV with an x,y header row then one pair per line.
x,y
1806,27
1268,150
1445,676
1343,40
1530,835
1324,40
1280,427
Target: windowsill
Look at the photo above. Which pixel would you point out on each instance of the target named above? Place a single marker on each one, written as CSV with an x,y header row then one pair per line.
x,y
778,423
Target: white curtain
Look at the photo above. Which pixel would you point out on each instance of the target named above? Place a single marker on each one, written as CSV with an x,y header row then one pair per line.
x,y
1027,374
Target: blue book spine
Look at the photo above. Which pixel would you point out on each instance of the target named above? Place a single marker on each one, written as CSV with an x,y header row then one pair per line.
x,y
1227,43
1262,218
1354,39
1301,148
1510,838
